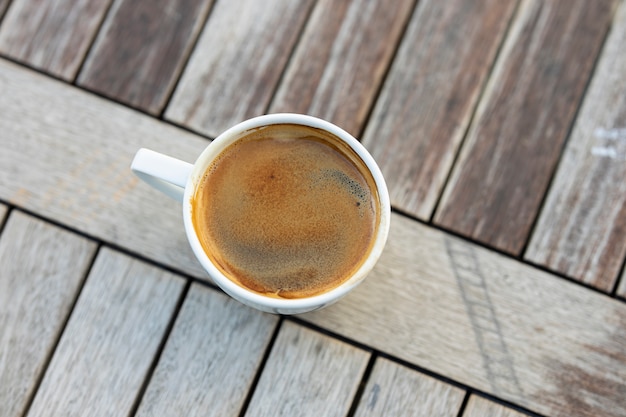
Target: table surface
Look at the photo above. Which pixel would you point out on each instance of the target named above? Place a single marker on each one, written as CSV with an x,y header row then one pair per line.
x,y
500,127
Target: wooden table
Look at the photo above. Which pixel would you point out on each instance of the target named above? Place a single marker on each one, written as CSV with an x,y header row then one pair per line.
x,y
500,127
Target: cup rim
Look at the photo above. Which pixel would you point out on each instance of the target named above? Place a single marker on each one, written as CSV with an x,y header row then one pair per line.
x,y
268,303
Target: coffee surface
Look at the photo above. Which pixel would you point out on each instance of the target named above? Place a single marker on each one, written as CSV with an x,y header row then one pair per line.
x,y
285,212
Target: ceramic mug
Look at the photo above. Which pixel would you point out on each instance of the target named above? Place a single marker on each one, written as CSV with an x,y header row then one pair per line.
x,y
180,180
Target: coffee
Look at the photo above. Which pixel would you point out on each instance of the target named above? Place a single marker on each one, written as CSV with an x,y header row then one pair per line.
x,y
287,211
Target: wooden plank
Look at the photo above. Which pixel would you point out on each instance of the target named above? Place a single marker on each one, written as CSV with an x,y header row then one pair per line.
x,y
318,376
417,305
237,63
340,62
427,101
580,231
3,212
490,322
393,390
41,271
54,135
522,121
110,340
210,358
53,36
141,50
480,407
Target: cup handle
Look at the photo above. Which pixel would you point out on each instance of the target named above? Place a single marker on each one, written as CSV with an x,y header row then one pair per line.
x,y
166,174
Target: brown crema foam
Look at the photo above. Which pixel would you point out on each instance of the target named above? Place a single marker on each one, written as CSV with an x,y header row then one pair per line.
x,y
287,211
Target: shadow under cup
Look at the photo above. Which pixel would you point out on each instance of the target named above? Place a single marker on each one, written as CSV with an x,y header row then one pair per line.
x,y
287,216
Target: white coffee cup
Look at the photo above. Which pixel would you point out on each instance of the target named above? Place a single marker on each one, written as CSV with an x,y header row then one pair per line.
x,y
179,179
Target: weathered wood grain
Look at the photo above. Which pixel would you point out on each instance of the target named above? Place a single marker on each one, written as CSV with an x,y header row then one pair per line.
x,y
513,145
316,375
580,231
341,59
430,93
52,36
237,63
393,390
98,140
110,339
41,270
141,50
480,407
485,320
500,326
210,358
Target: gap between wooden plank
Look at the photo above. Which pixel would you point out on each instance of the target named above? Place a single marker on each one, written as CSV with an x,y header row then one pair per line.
x,y
359,392
259,371
62,330
290,59
387,71
399,391
470,122
159,351
302,359
168,99
464,404
105,17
